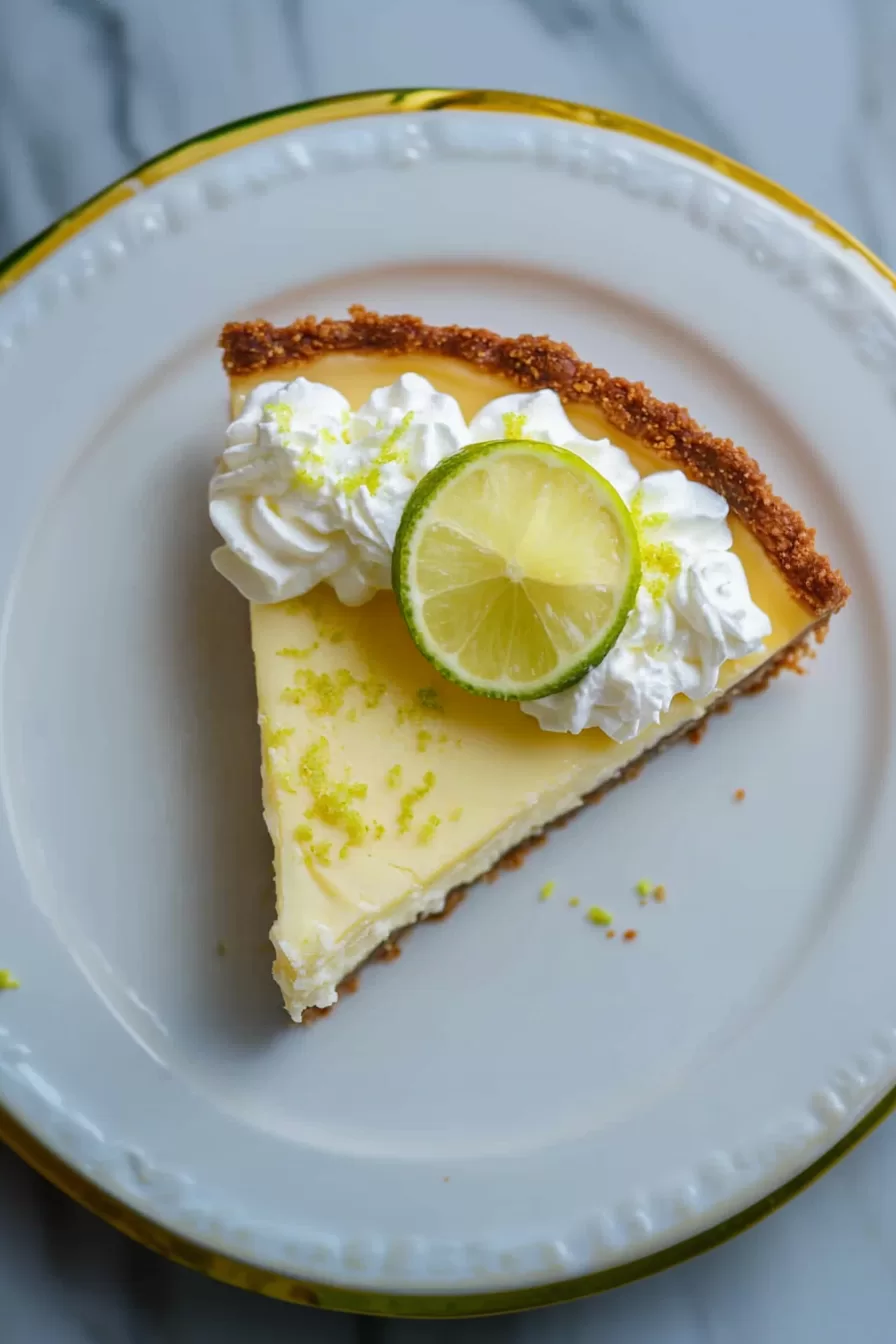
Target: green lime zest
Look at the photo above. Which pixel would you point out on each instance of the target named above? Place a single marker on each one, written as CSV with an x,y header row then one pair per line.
x,y
514,424
428,830
333,800
411,799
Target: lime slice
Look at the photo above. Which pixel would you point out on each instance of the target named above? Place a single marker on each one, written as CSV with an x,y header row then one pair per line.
x,y
515,566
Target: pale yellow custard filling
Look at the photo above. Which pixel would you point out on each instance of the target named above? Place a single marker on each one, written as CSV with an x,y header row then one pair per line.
x,y
386,786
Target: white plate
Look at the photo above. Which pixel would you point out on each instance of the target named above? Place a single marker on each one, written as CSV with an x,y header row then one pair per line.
x,y
517,1102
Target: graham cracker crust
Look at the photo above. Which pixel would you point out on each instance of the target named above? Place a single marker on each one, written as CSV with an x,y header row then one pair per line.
x,y
789,659
533,362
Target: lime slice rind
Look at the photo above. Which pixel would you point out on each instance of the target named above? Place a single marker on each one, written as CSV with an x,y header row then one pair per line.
x,y
516,566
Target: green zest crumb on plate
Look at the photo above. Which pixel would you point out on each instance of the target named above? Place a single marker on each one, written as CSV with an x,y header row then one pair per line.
x,y
598,915
573,902
547,891
8,980
644,888
393,777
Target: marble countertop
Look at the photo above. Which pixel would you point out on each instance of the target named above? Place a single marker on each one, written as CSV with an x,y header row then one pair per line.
x,y
800,89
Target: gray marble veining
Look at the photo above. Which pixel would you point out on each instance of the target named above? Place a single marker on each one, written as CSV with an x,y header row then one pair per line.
x,y
802,90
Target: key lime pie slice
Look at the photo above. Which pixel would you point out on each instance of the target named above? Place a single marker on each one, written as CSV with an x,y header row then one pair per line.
x,y
580,591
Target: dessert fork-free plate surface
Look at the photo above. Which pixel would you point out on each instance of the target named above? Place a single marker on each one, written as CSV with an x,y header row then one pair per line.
x,y
517,1105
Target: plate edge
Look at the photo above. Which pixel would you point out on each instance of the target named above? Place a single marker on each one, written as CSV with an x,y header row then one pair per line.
x,y
152,1235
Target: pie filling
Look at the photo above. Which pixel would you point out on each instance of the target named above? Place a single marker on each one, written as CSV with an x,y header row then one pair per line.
x,y
385,786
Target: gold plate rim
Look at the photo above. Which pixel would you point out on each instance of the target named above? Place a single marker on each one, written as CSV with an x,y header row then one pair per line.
x,y
152,1235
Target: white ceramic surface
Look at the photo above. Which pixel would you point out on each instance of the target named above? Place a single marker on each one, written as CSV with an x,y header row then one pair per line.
x,y
680,1078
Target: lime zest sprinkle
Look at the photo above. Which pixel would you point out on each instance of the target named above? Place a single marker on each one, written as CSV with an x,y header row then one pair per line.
x,y
277,737
281,414
393,777
298,653
423,739
369,477
273,742
644,888
573,902
547,891
426,701
378,830
429,828
598,915
325,690
661,562
664,565
332,799
303,833
456,814
514,424
8,980
302,476
320,852
410,801
372,691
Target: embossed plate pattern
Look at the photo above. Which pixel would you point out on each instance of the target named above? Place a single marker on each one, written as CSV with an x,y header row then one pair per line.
x,y
512,1104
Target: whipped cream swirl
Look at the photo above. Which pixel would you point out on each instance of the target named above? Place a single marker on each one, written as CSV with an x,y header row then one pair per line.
x,y
309,491
692,613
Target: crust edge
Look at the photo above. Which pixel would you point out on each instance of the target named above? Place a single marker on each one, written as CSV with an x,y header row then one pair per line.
x,y
533,362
